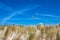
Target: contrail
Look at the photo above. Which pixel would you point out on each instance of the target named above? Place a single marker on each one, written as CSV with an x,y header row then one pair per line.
x,y
17,12
49,15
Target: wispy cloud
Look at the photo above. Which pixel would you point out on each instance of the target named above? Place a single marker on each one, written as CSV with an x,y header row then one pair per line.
x,y
34,18
47,15
5,7
18,13
7,18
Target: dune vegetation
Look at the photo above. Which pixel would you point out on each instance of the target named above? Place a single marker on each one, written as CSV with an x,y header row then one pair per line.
x,y
41,32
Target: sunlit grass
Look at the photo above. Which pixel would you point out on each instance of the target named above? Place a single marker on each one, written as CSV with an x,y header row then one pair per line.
x,y
30,33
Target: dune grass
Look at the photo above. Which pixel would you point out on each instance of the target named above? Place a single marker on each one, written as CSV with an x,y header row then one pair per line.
x,y
30,33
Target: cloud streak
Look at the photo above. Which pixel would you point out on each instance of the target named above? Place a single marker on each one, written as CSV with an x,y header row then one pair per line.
x,y
5,7
19,12
5,19
47,15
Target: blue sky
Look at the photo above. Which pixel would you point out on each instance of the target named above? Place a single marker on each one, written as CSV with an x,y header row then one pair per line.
x,y
29,12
